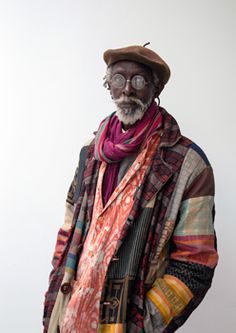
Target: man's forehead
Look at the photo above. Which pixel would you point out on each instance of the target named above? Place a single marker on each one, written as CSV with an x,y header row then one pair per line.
x,y
130,65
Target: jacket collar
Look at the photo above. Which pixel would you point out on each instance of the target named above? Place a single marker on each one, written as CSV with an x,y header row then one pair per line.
x,y
165,163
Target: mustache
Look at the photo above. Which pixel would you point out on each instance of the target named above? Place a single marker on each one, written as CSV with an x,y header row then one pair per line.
x,y
126,99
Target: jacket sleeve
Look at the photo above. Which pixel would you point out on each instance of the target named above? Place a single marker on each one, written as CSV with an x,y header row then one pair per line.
x,y
71,199
193,257
58,260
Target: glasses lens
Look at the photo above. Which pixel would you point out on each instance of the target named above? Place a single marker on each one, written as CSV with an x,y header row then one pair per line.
x,y
138,82
118,81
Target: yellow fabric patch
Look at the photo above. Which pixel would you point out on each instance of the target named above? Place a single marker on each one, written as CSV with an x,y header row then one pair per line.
x,y
158,298
111,328
170,296
68,217
183,292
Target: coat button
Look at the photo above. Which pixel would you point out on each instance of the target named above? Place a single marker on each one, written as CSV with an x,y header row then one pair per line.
x,y
114,302
66,288
137,166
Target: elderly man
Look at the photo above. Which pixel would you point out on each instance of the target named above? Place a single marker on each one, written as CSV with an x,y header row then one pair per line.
x,y
137,250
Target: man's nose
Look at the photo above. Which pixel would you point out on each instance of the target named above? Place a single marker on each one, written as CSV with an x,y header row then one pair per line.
x,y
128,89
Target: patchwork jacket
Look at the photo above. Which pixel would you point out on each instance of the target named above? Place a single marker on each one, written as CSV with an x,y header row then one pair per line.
x,y
164,262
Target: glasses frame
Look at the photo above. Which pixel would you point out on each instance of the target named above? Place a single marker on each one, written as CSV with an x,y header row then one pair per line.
x,y
128,80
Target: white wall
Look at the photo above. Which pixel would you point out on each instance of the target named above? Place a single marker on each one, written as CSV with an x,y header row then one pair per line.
x,y
52,100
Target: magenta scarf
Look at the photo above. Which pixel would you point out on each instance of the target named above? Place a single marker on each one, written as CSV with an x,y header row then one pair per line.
x,y
112,145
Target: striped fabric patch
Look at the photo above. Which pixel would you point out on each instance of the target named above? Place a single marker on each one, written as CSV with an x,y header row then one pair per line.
x,y
160,301
179,287
194,237
170,296
198,249
62,238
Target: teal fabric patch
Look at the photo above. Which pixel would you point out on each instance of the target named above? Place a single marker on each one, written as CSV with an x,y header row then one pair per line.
x,y
196,217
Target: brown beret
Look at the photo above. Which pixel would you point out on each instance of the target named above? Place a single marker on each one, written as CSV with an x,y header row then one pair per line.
x,y
142,55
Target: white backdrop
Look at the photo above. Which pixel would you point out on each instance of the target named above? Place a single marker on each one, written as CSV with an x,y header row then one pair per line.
x,y
52,100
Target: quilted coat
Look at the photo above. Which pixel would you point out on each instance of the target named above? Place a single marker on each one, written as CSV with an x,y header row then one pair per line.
x,y
164,262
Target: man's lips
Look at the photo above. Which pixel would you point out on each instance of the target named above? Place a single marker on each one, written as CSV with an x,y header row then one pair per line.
x,y
127,104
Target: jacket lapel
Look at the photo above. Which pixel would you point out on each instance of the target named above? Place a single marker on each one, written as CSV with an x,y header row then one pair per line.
x,y
165,163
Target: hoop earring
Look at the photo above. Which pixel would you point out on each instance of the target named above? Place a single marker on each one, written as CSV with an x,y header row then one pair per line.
x,y
158,98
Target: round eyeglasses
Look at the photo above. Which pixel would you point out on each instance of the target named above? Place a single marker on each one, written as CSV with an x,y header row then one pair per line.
x,y
137,82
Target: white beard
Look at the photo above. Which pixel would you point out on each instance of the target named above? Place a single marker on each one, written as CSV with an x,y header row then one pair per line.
x,y
129,116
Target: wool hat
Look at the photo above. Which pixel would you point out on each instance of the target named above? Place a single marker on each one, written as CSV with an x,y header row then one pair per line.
x,y
142,55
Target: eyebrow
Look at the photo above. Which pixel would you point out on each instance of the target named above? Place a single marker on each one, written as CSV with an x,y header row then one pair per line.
x,y
139,72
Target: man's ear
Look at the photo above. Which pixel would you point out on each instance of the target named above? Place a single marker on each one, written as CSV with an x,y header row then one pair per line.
x,y
158,89
110,93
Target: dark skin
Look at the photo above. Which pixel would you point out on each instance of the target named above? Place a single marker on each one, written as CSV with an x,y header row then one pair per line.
x,y
128,69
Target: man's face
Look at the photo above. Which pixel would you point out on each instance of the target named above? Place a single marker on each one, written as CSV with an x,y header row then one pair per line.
x,y
132,103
